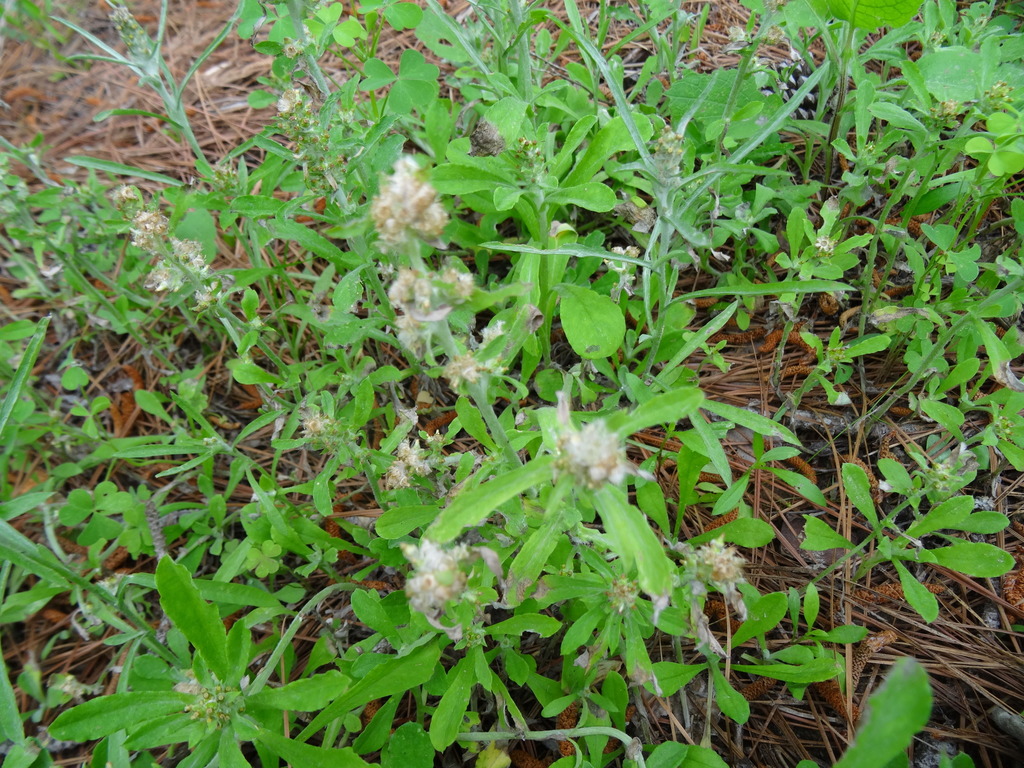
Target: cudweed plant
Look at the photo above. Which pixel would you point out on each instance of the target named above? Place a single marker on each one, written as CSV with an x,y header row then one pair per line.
x,y
455,242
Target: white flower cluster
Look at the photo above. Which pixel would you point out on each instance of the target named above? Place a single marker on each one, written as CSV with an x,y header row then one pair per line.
x,y
712,565
410,459
179,262
593,455
425,298
438,578
407,204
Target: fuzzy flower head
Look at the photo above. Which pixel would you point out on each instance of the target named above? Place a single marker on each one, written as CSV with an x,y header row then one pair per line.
x,y
148,230
410,459
438,576
407,205
716,565
592,455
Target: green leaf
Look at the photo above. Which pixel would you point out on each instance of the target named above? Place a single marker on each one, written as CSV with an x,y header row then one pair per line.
x,y
473,423
297,753
444,725
305,695
811,672
858,490
376,74
613,137
665,408
768,289
593,196
812,602
951,74
763,616
408,747
11,729
984,522
25,365
396,675
672,754
250,373
471,507
919,598
400,521
754,421
672,676
593,323
948,514
537,623
896,712
634,540
403,15
974,559
818,537
729,700
872,14
107,714
197,619
746,532
119,169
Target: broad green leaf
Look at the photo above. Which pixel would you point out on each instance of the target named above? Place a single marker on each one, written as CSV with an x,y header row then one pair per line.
x,y
746,532
951,74
103,716
984,522
197,619
593,196
471,507
613,137
473,423
672,676
408,747
536,623
895,713
754,421
665,408
634,540
858,490
594,325
447,719
395,675
818,537
763,616
872,14
919,598
250,373
305,695
949,416
307,756
974,559
399,521
525,569
812,602
672,754
948,514
729,700
403,15
376,74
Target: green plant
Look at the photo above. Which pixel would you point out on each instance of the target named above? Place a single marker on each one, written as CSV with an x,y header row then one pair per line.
x,y
452,335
